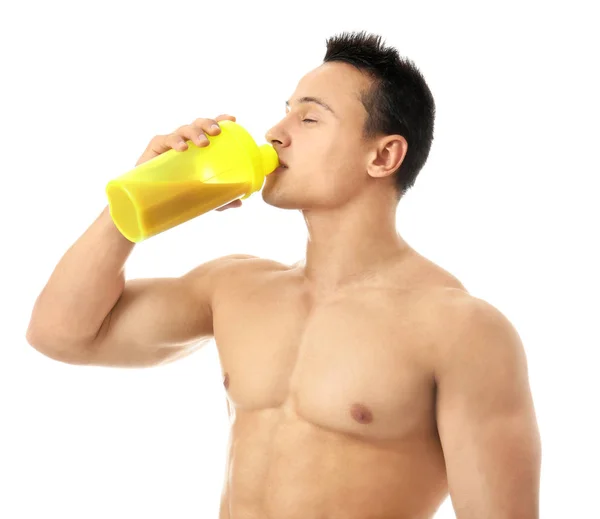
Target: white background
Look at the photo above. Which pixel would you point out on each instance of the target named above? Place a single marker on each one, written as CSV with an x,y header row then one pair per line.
x,y
506,202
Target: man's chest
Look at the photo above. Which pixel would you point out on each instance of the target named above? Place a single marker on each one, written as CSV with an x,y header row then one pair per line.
x,y
356,365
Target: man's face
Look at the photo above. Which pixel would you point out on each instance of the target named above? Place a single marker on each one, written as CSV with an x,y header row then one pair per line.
x,y
326,158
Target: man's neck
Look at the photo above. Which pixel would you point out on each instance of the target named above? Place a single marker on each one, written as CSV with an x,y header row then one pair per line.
x,y
350,242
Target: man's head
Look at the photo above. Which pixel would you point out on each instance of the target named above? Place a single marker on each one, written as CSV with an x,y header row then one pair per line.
x,y
360,122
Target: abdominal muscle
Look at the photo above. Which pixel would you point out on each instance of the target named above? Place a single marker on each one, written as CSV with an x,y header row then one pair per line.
x,y
281,466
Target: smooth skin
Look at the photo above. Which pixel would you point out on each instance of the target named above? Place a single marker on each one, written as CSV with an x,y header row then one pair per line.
x,y
363,381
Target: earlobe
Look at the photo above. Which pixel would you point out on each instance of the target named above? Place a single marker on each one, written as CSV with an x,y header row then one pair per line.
x,y
388,156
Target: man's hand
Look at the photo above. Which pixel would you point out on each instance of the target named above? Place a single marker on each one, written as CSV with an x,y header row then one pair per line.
x,y
195,132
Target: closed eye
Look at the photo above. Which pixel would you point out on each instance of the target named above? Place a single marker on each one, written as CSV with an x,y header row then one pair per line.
x,y
308,121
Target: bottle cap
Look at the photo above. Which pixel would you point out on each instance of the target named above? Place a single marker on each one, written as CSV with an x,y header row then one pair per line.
x,y
269,158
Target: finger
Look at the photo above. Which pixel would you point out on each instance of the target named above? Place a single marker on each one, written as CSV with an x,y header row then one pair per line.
x,y
225,117
159,144
208,126
191,133
176,142
230,205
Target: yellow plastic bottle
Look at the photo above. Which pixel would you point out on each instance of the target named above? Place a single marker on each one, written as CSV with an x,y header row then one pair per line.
x,y
176,186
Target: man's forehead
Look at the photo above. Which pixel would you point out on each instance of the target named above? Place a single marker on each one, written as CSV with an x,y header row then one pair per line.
x,y
336,77
334,84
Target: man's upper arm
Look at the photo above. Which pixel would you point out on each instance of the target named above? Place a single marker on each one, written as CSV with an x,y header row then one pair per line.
x,y
486,418
158,320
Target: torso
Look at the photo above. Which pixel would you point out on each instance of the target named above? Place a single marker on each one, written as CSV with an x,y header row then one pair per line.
x,y
331,397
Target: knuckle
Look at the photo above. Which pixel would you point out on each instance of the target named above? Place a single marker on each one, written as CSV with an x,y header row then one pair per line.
x,y
190,128
202,122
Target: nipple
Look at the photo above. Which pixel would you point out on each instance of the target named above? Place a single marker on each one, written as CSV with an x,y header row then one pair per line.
x,y
361,413
226,381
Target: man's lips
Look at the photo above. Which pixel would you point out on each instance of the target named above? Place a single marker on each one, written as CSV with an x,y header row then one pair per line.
x,y
282,166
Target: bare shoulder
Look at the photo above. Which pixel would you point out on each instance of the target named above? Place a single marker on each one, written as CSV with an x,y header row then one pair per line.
x,y
455,309
458,322
224,267
244,265
471,331
234,274
427,274
462,310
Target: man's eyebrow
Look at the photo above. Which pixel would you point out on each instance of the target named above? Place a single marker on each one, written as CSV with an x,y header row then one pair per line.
x,y
311,99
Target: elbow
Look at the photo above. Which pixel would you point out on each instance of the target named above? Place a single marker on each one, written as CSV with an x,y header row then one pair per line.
x,y
61,350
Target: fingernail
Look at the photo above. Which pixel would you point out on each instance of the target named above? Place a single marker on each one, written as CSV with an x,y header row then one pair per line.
x,y
215,127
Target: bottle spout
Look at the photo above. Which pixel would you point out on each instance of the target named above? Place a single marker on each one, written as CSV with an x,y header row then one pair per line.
x,y
269,158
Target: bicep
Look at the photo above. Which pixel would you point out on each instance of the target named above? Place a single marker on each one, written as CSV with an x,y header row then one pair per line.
x,y
158,320
153,320
492,463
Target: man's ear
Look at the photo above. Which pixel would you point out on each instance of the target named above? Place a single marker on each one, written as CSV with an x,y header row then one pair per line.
x,y
387,156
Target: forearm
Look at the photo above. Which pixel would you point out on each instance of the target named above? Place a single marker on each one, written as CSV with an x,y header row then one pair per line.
x,y
84,286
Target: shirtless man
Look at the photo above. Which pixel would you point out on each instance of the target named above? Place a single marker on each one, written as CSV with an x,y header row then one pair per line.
x,y
362,382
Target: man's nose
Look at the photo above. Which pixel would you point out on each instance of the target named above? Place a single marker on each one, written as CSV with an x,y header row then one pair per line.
x,y
270,137
277,135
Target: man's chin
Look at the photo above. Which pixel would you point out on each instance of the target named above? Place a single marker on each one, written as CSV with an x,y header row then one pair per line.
x,y
275,199
280,204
